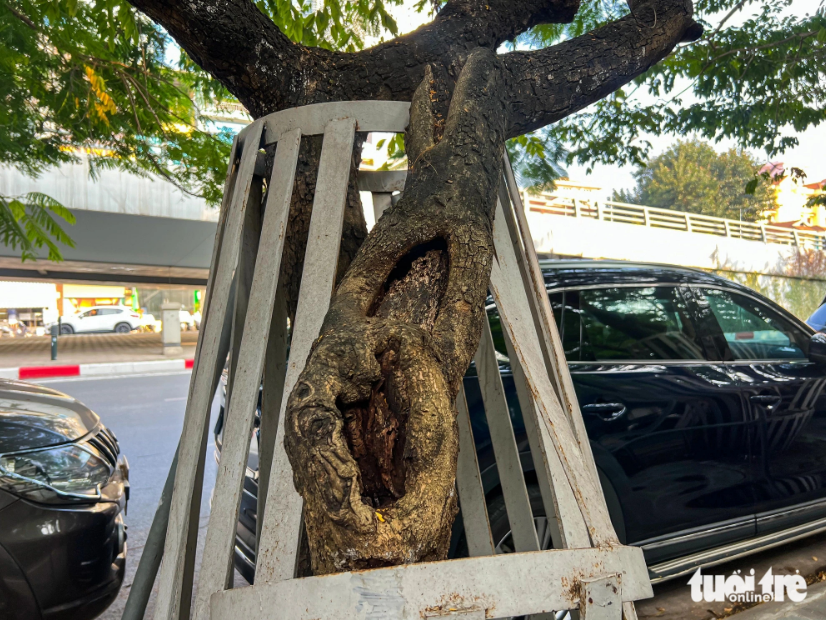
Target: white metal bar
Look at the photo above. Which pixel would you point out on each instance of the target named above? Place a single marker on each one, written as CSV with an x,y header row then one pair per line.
x,y
571,528
469,484
250,236
226,201
153,549
226,499
272,393
518,324
600,598
512,584
172,590
390,116
517,503
550,341
568,529
381,202
282,522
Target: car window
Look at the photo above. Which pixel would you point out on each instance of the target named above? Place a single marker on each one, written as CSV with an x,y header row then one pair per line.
x,y
89,313
754,331
566,312
638,324
104,311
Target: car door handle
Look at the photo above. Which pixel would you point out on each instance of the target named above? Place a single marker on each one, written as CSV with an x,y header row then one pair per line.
x,y
765,399
607,411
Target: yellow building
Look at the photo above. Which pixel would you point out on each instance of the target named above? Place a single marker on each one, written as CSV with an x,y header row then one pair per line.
x,y
792,196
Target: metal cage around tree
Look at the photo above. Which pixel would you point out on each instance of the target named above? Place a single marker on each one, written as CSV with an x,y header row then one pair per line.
x,y
588,569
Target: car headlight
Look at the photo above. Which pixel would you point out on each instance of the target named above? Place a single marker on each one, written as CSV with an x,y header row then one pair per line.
x,y
68,472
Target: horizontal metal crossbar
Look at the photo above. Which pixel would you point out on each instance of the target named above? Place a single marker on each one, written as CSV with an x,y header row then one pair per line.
x,y
389,116
502,585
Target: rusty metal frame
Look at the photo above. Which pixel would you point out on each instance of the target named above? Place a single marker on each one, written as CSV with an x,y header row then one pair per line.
x,y
588,558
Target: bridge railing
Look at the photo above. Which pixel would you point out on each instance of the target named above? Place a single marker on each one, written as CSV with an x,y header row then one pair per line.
x,y
610,211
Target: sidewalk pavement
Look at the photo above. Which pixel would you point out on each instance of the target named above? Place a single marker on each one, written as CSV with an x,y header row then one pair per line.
x,y
813,607
672,599
92,354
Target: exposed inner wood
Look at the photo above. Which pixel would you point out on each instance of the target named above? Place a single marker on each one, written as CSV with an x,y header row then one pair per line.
x,y
376,429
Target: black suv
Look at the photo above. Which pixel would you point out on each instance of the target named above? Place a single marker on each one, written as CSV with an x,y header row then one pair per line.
x,y
706,417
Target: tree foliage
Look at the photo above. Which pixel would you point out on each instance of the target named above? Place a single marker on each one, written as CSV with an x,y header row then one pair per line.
x,y
98,77
27,223
755,77
691,176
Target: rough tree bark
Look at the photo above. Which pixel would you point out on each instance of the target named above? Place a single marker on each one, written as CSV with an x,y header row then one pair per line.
x,y
370,426
370,429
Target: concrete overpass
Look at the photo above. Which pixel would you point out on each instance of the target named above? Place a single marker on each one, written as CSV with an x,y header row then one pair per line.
x,y
133,230
614,230
129,229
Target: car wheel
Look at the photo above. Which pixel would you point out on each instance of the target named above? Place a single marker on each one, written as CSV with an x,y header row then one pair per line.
x,y
500,529
123,328
66,329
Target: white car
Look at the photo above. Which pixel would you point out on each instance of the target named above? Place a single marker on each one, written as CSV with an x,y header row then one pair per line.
x,y
187,322
119,319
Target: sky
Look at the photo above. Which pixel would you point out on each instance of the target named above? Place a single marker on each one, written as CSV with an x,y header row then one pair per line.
x,y
808,155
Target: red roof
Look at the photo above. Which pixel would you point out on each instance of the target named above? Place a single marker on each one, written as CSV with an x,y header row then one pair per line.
x,y
797,224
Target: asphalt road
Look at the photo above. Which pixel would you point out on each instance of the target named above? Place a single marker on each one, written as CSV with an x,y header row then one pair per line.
x,y
146,414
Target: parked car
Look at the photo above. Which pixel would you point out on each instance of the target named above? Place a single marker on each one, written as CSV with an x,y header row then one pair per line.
x,y
119,319
63,493
703,402
818,319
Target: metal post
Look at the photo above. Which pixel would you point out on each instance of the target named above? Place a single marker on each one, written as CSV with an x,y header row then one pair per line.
x,y
55,331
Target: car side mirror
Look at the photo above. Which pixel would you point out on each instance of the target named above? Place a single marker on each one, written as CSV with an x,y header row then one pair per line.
x,y
817,348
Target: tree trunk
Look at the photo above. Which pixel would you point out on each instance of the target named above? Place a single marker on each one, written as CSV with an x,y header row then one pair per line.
x,y
370,426
371,429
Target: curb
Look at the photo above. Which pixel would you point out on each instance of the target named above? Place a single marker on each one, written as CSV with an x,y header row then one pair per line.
x,y
95,370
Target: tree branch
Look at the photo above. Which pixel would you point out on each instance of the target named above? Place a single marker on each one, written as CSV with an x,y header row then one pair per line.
x,y
267,72
237,44
549,84
243,49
